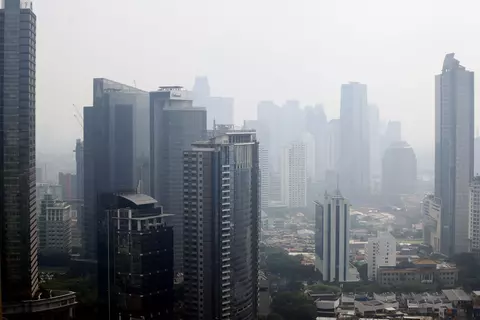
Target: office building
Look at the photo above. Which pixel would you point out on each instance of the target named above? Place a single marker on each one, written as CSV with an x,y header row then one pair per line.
x,y
116,138
333,145
273,126
79,169
55,225
477,155
432,221
375,141
174,125
294,175
454,125
219,109
221,229
399,169
18,213
276,187
264,177
332,238
316,125
355,140
68,182
474,217
135,261
393,133
381,251
19,272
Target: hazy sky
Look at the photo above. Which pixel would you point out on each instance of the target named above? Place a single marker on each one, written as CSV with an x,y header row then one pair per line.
x,y
252,50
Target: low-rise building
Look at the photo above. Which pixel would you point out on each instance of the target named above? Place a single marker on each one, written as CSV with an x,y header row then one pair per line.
x,y
420,271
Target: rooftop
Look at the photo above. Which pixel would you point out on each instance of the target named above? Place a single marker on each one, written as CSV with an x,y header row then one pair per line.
x,y
138,199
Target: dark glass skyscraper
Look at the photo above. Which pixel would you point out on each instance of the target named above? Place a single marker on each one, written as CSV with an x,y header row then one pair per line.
x,y
79,169
221,227
116,136
18,216
135,260
174,125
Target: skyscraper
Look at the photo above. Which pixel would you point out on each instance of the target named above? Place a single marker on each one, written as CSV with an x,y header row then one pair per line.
x,y
432,224
18,214
174,125
135,261
474,216
116,133
375,150
316,125
79,168
219,109
332,238
355,140
222,213
294,175
454,127
399,169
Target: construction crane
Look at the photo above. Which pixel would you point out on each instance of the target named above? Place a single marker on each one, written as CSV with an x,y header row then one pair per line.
x,y
78,116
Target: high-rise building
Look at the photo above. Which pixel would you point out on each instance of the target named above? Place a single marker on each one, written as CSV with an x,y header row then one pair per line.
x,y
332,239
393,133
333,145
399,169
381,251
222,223
219,109
135,261
474,217
39,174
19,279
68,182
454,129
79,169
116,133
316,125
294,175
375,150
432,221
477,155
54,225
264,177
18,215
174,125
355,140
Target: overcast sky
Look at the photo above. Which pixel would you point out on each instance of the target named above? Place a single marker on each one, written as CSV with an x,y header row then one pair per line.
x,y
252,50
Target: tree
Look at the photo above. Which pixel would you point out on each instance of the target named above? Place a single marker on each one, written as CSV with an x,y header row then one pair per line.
x,y
294,306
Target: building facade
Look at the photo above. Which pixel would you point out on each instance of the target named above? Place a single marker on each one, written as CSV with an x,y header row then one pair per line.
x,y
174,125
294,175
18,223
221,228
264,177
68,182
381,251
55,226
399,169
454,130
135,261
432,221
355,140
474,218
332,239
116,133
79,168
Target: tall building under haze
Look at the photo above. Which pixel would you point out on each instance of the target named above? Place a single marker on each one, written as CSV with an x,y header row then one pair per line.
x,y
454,129
294,175
79,168
221,227
116,137
355,140
399,169
18,214
174,125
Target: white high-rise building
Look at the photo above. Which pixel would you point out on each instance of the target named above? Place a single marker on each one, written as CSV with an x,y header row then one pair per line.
x,y
381,252
454,130
332,238
294,175
432,226
474,219
264,177
309,140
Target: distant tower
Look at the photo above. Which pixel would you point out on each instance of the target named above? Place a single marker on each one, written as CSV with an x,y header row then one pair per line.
x,y
399,169
294,175
332,244
454,151
355,140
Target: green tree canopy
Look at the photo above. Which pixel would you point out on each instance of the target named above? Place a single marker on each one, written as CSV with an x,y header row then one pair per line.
x,y
294,306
